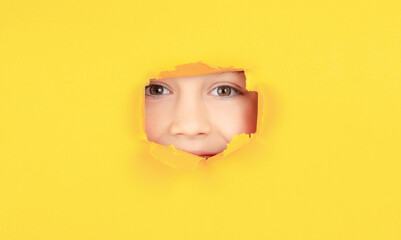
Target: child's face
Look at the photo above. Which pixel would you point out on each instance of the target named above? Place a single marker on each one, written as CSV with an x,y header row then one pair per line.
x,y
199,114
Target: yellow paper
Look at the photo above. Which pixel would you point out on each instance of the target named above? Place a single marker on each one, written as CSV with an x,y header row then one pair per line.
x,y
323,164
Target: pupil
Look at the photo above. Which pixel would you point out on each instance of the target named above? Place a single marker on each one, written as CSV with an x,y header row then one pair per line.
x,y
156,90
224,91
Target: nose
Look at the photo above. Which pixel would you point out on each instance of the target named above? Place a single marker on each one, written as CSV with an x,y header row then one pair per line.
x,y
191,118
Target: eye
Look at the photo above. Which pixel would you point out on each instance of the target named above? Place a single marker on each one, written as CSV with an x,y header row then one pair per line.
x,y
225,91
156,90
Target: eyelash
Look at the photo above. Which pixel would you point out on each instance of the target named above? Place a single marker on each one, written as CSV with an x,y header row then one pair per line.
x,y
233,91
147,90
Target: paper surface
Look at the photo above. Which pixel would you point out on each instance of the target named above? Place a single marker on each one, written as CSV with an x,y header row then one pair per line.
x,y
324,163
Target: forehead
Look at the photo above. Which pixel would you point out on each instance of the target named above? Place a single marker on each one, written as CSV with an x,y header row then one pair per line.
x,y
237,77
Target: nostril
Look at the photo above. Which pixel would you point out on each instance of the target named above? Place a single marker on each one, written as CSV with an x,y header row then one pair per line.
x,y
190,118
189,129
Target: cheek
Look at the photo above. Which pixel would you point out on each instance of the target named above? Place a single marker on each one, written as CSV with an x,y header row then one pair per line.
x,y
251,108
235,116
157,113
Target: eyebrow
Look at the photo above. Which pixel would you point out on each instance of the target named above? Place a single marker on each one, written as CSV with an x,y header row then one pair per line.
x,y
234,77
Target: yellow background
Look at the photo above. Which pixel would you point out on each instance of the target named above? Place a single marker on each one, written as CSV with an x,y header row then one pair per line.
x,y
325,163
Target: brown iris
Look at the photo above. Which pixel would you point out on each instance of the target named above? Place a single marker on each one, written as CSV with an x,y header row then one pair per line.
x,y
224,91
156,90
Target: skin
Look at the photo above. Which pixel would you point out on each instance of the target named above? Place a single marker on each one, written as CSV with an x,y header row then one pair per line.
x,y
199,114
